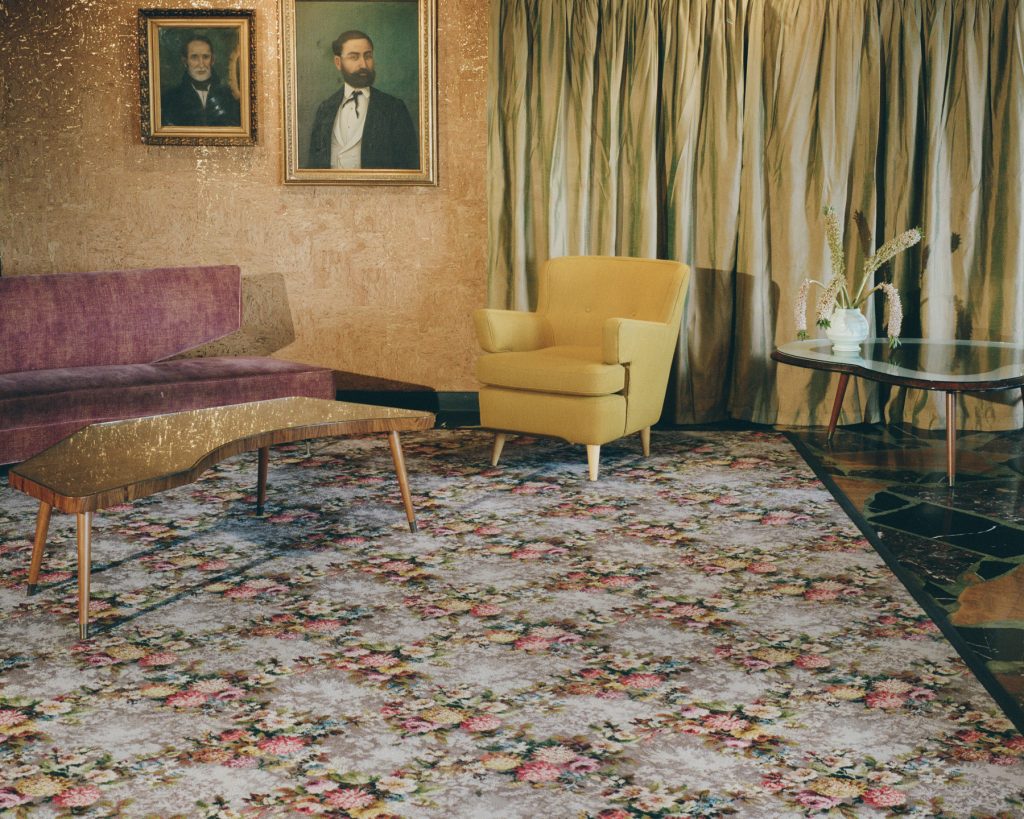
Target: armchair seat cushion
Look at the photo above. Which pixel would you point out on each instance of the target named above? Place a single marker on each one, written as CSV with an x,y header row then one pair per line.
x,y
565,369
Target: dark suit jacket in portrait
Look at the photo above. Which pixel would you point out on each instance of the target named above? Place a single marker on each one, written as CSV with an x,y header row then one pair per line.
x,y
389,138
182,106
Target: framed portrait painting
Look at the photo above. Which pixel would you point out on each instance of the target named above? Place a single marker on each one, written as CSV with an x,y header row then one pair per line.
x,y
197,76
359,92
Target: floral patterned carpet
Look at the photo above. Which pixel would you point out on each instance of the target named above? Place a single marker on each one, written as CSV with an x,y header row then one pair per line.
x,y
699,633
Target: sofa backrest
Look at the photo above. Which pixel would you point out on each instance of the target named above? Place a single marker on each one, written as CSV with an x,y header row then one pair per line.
x,y
114,317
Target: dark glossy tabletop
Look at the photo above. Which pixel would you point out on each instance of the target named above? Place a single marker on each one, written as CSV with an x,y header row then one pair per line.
x,y
950,365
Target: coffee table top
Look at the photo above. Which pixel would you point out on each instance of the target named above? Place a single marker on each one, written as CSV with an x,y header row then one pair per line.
x,y
116,461
938,365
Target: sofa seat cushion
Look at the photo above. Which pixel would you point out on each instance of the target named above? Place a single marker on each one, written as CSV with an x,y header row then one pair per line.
x,y
566,370
39,407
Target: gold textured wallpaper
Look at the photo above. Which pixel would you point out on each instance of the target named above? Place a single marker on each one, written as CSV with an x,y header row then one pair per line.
x,y
379,280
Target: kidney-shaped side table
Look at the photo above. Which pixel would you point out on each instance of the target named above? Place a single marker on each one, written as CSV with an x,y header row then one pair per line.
x,y
950,366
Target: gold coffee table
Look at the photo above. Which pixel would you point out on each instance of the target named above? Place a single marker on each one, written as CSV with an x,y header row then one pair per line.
x,y
110,463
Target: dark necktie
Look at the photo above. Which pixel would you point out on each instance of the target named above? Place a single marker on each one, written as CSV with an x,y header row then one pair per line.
x,y
355,99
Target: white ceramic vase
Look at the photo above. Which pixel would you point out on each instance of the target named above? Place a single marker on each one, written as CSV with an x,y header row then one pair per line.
x,y
847,329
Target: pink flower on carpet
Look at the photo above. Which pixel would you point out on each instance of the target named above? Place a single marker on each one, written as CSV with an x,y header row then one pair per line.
x,y
157,659
282,746
610,695
815,801
229,694
485,610
77,797
812,661
11,716
735,742
1015,743
323,626
482,722
99,660
689,610
762,567
241,592
773,785
10,799
55,577
349,798
532,643
591,673
884,699
969,735
213,565
241,762
884,797
186,699
725,722
538,771
379,661
527,554
583,765
643,681
618,581
418,726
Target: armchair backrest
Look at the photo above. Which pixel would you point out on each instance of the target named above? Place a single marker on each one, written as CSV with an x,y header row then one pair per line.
x,y
578,293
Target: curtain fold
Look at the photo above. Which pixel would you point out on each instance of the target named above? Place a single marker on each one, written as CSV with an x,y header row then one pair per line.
x,y
716,131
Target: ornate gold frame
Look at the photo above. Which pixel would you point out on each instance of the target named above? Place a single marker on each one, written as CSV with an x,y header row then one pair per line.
x,y
241,75
295,65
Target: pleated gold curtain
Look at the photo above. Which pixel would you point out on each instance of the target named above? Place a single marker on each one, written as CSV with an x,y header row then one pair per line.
x,y
715,131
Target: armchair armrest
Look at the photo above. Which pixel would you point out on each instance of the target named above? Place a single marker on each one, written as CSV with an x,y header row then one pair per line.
x,y
509,331
626,340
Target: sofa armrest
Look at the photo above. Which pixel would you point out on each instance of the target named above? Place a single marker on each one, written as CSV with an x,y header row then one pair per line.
x,y
509,331
626,340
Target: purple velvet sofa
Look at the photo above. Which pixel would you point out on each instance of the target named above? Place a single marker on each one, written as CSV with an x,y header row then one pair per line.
x,y
78,348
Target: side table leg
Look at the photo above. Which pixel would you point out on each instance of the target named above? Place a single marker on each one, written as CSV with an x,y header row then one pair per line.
x,y
84,565
261,479
951,437
837,405
403,480
42,526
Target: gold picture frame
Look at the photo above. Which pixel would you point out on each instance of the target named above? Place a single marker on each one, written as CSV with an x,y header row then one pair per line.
x,y
197,76
392,138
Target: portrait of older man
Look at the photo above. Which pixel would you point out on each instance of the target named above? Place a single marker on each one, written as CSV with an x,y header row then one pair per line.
x,y
359,125
200,98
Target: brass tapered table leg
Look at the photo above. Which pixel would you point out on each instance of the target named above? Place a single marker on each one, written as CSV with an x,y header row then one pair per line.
x,y
42,526
951,437
837,405
403,480
84,565
261,480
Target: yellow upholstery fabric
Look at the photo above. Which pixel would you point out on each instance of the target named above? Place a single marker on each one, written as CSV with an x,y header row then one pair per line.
x,y
572,370
591,364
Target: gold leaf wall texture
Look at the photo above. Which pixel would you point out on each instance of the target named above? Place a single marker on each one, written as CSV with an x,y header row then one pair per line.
x,y
378,280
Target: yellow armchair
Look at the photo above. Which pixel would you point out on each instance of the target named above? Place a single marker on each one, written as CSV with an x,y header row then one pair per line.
x,y
592,363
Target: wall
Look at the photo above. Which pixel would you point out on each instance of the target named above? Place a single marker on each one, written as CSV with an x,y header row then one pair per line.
x,y
379,280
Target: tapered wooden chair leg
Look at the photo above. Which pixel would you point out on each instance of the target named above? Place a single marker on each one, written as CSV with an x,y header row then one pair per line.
x,y
42,525
645,440
84,568
593,459
403,478
499,444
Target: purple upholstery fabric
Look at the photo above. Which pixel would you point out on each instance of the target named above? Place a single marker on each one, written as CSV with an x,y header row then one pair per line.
x,y
115,317
40,407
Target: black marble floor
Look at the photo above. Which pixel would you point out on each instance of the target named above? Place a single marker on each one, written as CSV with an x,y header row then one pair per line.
x,y
960,550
